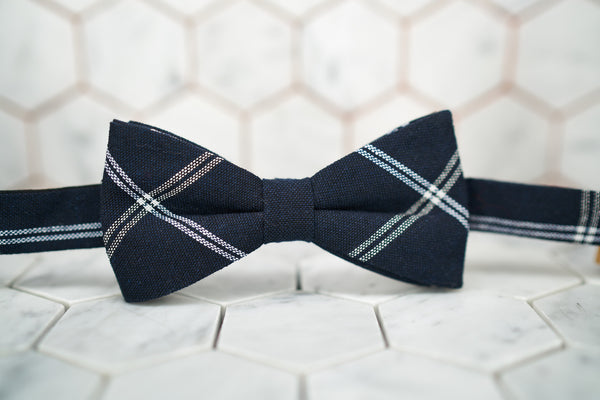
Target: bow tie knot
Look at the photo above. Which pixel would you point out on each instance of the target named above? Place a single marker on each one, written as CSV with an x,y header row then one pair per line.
x,y
289,210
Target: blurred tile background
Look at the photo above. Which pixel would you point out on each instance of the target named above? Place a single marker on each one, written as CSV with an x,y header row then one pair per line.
x,y
285,87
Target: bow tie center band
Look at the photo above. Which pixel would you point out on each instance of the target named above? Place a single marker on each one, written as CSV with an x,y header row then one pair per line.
x,y
170,212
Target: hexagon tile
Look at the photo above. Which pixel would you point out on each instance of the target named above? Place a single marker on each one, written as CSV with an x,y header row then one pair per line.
x,y
300,331
13,156
210,375
471,328
111,335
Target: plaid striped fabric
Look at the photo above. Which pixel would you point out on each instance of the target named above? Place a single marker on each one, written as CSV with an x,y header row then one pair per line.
x,y
170,212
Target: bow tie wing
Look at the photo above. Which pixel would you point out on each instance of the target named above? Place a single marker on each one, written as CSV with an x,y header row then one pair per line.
x,y
172,211
398,206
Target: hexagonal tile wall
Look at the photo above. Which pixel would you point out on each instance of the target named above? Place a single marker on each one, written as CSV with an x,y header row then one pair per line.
x,y
405,8
580,160
73,152
332,275
196,119
458,326
257,274
556,61
24,318
110,335
575,313
294,139
207,373
24,50
70,276
393,375
31,375
158,63
517,267
339,60
568,374
13,156
457,53
300,331
582,260
486,148
13,265
244,35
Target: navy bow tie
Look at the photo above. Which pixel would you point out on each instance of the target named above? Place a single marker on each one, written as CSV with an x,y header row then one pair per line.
x,y
170,212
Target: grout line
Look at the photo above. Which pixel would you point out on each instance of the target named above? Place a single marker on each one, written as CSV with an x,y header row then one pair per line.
x,y
48,327
302,387
381,326
100,390
529,359
219,327
504,390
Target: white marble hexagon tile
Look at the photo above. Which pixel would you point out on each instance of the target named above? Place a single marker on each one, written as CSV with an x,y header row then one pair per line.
x,y
285,87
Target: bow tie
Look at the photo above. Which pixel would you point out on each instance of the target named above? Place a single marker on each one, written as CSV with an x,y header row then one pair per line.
x,y
170,212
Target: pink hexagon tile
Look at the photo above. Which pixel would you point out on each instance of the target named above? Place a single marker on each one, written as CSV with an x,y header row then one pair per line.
x,y
456,53
339,60
257,274
300,331
393,375
294,140
74,139
245,54
70,276
196,119
24,318
575,313
518,267
36,63
470,328
569,374
581,146
514,149
206,373
32,375
110,335
558,60
134,53
13,156
328,274
393,113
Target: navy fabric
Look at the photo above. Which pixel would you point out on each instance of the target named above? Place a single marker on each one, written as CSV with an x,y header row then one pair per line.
x,y
170,212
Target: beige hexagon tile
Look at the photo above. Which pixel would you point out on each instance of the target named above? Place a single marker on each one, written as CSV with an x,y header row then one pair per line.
x,y
70,276
32,375
204,123
456,53
24,318
398,111
36,64
581,147
295,139
328,274
245,53
74,139
569,374
581,258
558,59
111,335
134,53
188,6
13,265
300,331
405,7
257,274
296,7
216,375
575,313
339,60
505,140
471,328
393,375
13,156
518,267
